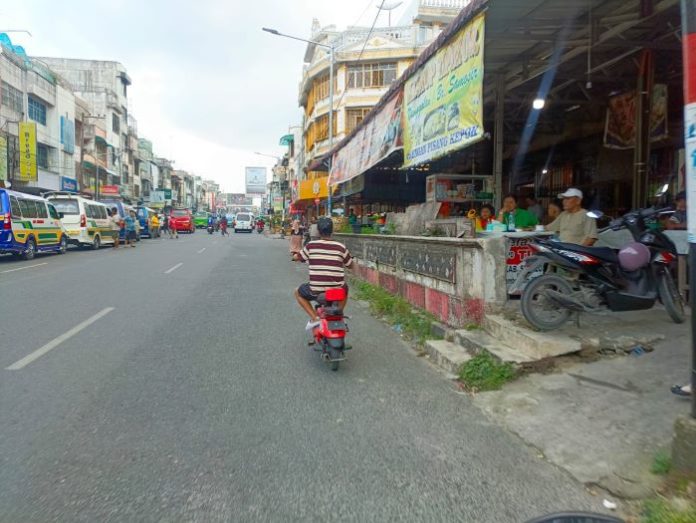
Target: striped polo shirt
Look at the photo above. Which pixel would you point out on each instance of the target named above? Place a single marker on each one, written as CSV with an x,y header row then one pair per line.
x,y
326,259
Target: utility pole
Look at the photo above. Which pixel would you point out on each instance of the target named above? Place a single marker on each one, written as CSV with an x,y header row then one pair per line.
x,y
96,153
688,11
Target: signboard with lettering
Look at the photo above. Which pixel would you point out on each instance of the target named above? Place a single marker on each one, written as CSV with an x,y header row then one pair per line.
x,y
255,180
68,184
28,171
3,158
443,100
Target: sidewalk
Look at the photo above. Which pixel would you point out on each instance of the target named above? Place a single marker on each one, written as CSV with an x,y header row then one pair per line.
x,y
603,420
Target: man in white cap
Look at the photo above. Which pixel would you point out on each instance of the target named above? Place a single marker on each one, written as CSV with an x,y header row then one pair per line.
x,y
573,225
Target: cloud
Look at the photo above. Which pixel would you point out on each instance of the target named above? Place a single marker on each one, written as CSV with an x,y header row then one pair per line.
x,y
209,87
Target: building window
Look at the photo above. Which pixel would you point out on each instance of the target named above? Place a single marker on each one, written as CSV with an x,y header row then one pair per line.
x,y
318,131
354,116
37,111
115,123
371,75
12,98
42,156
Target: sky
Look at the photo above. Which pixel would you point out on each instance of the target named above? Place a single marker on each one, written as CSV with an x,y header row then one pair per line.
x,y
209,87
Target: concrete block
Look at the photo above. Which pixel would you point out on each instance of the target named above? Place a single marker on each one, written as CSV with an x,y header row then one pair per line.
x,y
684,445
535,345
447,355
478,340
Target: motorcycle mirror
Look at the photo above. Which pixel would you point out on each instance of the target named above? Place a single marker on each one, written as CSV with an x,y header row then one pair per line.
x,y
663,190
596,214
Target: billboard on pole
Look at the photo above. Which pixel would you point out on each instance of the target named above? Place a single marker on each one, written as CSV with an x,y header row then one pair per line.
x,y
255,180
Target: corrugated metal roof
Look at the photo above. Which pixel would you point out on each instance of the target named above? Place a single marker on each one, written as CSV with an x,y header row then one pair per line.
x,y
521,36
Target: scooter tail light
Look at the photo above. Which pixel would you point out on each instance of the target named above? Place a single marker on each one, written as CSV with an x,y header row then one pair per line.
x,y
665,257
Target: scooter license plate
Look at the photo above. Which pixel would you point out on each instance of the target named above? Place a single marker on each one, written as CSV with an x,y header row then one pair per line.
x,y
336,325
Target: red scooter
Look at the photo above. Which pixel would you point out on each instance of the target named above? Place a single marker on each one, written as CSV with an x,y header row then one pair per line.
x,y
330,335
259,226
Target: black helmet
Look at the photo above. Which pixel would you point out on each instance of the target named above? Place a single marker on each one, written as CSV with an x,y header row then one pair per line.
x,y
325,226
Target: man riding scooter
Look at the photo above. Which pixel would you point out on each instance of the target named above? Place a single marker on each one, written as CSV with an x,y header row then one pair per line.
x,y
327,260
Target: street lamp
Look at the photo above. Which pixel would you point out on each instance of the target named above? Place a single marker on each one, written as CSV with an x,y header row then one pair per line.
x,y
332,59
278,158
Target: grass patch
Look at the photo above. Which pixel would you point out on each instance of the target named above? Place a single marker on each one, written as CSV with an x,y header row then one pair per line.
x,y
662,463
413,323
484,372
660,511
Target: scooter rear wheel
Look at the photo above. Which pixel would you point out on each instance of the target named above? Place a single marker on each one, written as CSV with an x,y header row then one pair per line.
x,y
540,311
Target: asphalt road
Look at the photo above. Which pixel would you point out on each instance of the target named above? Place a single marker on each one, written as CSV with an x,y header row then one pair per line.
x,y
187,393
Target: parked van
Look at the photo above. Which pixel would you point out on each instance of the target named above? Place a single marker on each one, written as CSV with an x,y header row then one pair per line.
x,y
86,221
144,215
30,225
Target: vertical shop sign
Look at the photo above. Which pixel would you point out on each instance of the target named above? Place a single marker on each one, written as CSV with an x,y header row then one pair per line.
x,y
3,158
28,171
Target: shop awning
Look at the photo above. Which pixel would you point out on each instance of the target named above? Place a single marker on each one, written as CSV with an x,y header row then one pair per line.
x,y
287,139
310,190
320,163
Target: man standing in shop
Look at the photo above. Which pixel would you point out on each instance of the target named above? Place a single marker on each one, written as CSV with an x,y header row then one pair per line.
x,y
573,225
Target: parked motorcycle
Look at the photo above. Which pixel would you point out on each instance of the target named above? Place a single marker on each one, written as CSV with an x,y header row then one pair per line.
x,y
597,279
330,335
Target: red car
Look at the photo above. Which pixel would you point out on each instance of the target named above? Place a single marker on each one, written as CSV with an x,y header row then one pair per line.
x,y
182,220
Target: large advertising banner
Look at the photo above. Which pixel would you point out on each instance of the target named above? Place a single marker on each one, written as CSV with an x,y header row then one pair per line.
x,y
370,145
255,180
28,171
443,100
3,158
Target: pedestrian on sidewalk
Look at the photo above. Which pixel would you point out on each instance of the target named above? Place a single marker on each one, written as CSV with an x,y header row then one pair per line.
x,y
130,228
173,233
154,226
115,221
295,238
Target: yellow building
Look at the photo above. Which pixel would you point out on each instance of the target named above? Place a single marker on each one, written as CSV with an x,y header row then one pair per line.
x,y
367,63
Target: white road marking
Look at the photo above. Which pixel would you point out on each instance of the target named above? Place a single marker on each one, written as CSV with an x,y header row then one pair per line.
x,y
201,251
169,271
27,267
57,341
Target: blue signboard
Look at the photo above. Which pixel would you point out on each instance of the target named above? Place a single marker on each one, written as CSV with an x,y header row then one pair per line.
x,y
67,134
68,184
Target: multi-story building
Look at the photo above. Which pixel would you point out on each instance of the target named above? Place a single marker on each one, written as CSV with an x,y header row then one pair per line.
x,y
30,91
104,86
367,63
146,168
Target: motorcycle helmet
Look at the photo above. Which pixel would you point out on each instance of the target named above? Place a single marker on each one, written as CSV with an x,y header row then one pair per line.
x,y
634,256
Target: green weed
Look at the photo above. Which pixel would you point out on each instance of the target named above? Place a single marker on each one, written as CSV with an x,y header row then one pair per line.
x,y
413,323
660,511
662,462
484,372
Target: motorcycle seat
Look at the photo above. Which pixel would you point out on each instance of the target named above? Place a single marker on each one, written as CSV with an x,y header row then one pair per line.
x,y
603,253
